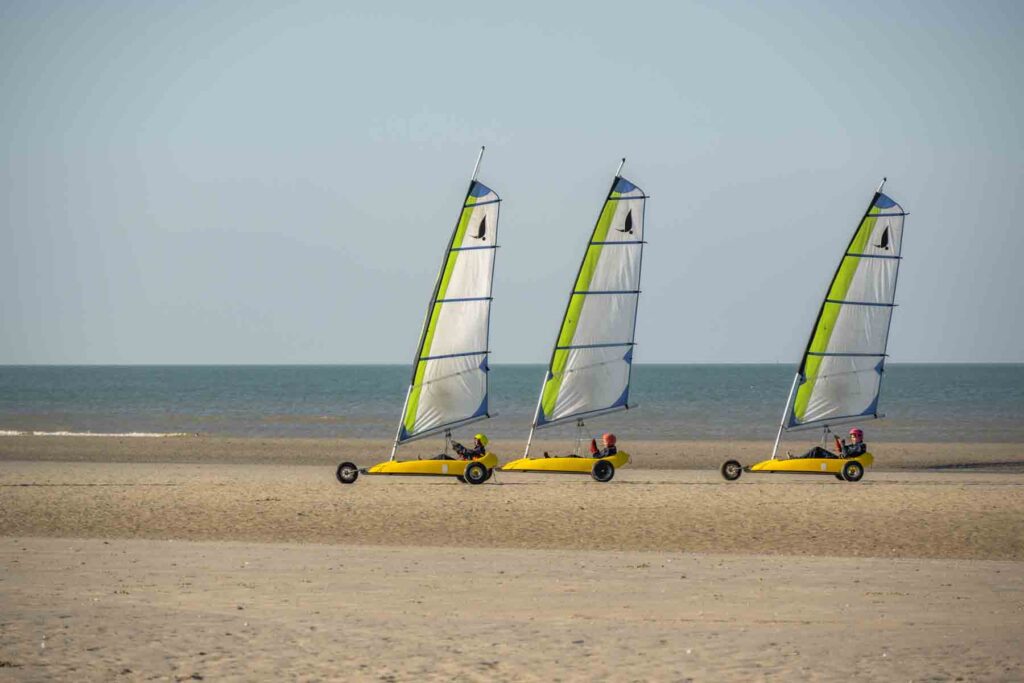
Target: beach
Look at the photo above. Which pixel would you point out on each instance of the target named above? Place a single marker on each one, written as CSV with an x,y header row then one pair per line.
x,y
161,559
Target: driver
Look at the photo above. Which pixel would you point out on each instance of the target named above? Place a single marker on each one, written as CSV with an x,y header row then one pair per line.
x,y
843,449
478,450
609,446
857,445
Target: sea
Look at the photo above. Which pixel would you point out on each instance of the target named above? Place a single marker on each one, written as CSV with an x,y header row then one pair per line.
x,y
921,403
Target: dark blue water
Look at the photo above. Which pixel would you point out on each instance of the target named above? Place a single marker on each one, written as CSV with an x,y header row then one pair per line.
x,y
921,402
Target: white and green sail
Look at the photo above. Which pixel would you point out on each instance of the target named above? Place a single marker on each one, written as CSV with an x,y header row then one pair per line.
x,y
840,373
449,378
591,362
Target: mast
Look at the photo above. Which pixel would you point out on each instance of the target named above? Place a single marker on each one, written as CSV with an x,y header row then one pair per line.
x,y
847,331
479,200
591,358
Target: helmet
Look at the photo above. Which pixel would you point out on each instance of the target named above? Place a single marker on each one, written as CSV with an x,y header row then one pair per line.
x,y
857,432
482,438
608,438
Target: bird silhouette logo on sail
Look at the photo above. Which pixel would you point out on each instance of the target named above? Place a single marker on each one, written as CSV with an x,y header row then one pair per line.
x,y
628,225
481,231
884,242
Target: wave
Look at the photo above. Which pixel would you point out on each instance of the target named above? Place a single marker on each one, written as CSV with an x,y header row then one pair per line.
x,y
144,435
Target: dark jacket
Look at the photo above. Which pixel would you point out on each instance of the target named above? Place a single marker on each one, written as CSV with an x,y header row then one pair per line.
x,y
468,453
852,450
601,452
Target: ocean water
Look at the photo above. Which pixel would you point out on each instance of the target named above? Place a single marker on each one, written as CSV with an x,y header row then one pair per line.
x,y
921,402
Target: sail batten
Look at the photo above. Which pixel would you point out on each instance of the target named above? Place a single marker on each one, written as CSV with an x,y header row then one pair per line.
x,y
840,372
591,362
449,385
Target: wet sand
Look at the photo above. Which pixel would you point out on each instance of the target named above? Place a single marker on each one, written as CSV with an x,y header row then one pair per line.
x,y
658,455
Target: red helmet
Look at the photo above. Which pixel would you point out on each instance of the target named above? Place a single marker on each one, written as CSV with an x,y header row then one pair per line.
x,y
608,438
857,432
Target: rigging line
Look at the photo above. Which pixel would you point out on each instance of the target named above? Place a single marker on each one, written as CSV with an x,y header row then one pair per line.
x,y
489,201
447,377
605,291
849,355
594,346
489,246
581,368
859,303
465,298
454,355
897,258
617,242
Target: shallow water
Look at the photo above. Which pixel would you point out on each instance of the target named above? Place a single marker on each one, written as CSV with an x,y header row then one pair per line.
x,y
965,402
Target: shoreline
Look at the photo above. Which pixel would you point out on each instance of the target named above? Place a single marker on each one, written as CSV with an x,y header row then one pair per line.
x,y
646,454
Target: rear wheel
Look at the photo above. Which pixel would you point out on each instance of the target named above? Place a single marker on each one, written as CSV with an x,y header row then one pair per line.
x,y
731,470
347,473
853,471
602,471
475,473
490,473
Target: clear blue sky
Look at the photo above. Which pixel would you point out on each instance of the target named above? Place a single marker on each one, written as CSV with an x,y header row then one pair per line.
x,y
255,183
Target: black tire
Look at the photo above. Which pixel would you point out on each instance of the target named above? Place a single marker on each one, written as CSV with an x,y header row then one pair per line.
x,y
475,473
490,473
461,478
602,471
347,473
853,471
731,470
840,477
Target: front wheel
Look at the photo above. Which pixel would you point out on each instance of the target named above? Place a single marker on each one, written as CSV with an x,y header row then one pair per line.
x,y
853,471
347,473
475,473
602,471
731,470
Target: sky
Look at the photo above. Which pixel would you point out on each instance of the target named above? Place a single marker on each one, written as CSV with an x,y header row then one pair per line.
x,y
266,182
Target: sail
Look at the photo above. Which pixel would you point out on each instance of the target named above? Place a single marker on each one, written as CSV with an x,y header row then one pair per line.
x,y
590,366
449,379
840,374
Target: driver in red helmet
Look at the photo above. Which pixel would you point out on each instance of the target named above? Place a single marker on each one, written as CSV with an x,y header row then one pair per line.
x,y
608,440
843,449
856,446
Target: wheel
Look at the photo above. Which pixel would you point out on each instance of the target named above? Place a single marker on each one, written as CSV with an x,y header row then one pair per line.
x,y
853,471
731,470
475,473
347,473
490,473
602,471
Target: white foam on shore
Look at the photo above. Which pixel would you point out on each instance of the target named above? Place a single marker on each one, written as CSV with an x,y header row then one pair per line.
x,y
145,435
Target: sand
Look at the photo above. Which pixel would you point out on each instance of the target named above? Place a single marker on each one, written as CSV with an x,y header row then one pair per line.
x,y
152,610
658,455
124,558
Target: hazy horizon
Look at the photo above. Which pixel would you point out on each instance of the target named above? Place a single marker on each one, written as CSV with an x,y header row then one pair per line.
x,y
214,183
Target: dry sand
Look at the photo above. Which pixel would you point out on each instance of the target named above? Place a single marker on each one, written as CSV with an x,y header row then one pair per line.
x,y
124,558
160,610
